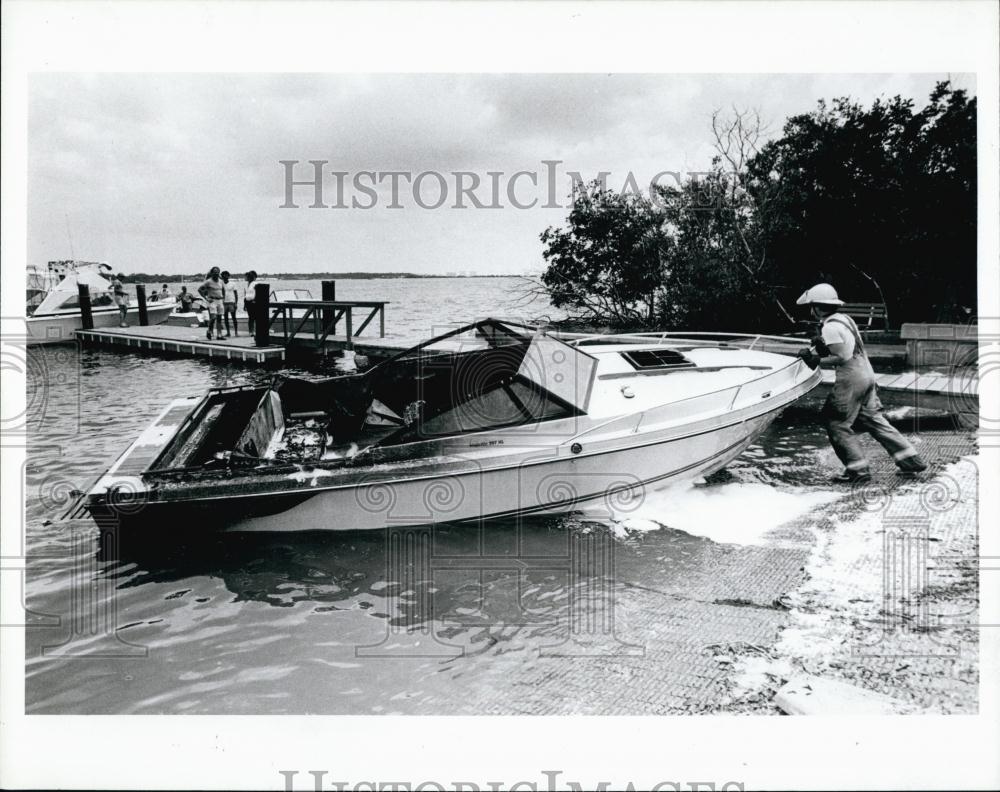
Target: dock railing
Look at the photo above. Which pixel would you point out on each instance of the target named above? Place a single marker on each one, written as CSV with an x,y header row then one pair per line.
x,y
319,319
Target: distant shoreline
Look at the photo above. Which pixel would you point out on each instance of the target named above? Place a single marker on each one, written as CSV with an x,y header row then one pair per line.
x,y
162,278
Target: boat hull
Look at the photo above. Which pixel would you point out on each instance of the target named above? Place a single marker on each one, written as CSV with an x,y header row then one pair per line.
x,y
542,481
634,433
615,481
60,328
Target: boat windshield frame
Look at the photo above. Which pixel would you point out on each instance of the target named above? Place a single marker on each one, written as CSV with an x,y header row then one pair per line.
x,y
486,327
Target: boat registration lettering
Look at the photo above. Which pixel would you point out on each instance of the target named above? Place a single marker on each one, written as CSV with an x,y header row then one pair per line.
x,y
486,443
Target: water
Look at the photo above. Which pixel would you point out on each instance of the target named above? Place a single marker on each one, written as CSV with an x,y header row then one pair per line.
x,y
423,307
436,621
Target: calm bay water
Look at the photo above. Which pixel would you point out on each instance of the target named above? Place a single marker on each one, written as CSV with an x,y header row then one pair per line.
x,y
433,621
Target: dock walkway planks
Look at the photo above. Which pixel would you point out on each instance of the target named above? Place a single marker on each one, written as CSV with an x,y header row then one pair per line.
x,y
190,341
958,390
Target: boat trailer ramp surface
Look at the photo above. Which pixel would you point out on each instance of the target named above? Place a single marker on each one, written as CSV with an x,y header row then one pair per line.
x,y
728,637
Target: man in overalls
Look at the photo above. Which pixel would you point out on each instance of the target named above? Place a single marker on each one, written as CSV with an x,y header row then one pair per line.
x,y
854,401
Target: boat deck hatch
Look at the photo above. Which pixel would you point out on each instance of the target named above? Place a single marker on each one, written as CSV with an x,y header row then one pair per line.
x,y
648,359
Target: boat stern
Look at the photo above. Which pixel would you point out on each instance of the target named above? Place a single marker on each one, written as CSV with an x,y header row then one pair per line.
x,y
121,491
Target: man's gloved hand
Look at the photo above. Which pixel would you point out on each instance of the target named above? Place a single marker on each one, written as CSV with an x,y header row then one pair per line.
x,y
811,358
819,346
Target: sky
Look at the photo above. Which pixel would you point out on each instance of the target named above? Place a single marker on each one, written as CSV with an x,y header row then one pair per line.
x,y
174,173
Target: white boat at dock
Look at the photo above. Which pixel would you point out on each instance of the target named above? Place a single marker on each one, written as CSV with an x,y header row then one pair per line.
x,y
523,422
53,302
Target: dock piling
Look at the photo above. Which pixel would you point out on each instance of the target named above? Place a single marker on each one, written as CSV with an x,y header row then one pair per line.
x,y
262,305
329,294
86,316
140,296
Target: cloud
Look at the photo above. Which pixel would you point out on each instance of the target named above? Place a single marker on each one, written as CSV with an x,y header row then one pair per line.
x,y
173,172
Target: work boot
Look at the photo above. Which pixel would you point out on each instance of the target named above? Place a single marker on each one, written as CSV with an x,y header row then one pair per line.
x,y
911,464
853,476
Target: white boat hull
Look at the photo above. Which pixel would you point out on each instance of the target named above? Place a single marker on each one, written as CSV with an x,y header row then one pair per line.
x,y
641,432
547,482
59,328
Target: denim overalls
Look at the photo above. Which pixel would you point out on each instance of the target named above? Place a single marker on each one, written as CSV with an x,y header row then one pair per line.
x,y
854,402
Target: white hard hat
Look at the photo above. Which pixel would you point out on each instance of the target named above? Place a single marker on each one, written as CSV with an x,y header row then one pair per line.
x,y
822,294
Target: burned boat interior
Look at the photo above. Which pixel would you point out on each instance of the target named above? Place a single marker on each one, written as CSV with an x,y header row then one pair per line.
x,y
369,417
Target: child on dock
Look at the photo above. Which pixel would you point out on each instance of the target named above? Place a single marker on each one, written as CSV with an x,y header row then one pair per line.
x,y
213,291
229,303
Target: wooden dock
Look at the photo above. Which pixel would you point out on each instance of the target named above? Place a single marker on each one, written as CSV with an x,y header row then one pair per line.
x,y
185,341
956,391
171,340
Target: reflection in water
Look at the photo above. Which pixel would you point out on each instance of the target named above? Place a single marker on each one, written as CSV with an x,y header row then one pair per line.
x,y
443,580
387,609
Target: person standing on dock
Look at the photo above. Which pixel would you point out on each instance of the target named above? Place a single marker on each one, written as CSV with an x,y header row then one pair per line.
x,y
248,301
213,291
854,401
229,302
120,298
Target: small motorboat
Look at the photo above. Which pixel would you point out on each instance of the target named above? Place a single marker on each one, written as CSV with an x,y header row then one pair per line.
x,y
53,302
492,419
195,316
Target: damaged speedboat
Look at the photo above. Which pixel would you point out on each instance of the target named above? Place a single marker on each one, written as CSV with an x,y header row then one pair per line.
x,y
523,422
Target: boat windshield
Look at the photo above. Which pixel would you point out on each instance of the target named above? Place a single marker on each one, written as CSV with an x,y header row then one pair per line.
x,y
506,405
503,379
34,299
71,302
522,380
